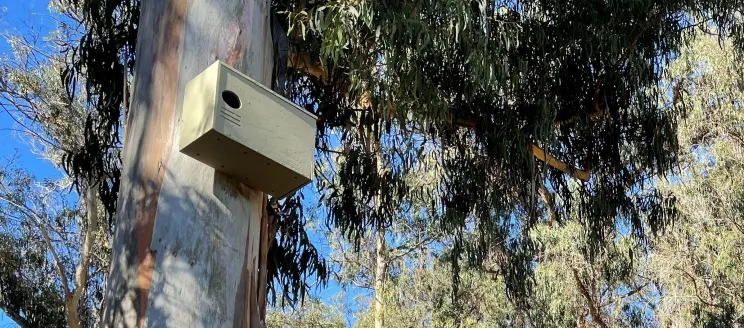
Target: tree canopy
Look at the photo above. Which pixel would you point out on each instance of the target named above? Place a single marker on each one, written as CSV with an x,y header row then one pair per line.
x,y
478,86
486,90
699,258
689,276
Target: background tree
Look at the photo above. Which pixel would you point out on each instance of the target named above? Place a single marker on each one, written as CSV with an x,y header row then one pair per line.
x,y
686,277
66,232
30,284
311,313
613,290
379,256
698,261
448,98
496,87
420,295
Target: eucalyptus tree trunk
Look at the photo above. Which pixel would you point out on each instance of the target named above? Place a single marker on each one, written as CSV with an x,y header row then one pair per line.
x,y
380,253
72,300
188,239
380,272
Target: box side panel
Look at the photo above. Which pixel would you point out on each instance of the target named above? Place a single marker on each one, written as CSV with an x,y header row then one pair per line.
x,y
197,115
267,125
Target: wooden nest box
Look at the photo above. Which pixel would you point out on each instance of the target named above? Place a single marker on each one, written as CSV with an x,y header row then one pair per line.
x,y
238,126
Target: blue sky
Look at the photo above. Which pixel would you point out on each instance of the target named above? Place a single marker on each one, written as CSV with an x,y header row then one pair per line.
x,y
18,17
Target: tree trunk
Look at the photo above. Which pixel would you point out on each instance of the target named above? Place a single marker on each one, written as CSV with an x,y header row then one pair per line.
x,y
380,270
187,241
381,251
81,270
591,302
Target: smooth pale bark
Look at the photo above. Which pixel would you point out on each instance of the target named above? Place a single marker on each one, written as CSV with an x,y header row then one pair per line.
x,y
81,270
380,277
187,241
381,250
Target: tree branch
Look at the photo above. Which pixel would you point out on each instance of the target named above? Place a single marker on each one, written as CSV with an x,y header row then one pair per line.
x,y
15,316
593,310
47,241
540,154
548,200
697,291
303,61
81,271
628,294
406,249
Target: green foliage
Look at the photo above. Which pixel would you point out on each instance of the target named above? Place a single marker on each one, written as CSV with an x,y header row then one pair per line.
x,y
40,239
689,276
293,259
308,314
101,63
32,93
420,295
36,296
509,70
699,259
28,288
566,285
570,287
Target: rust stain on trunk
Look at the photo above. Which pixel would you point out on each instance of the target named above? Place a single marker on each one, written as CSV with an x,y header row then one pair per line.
x,y
241,42
237,50
156,145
